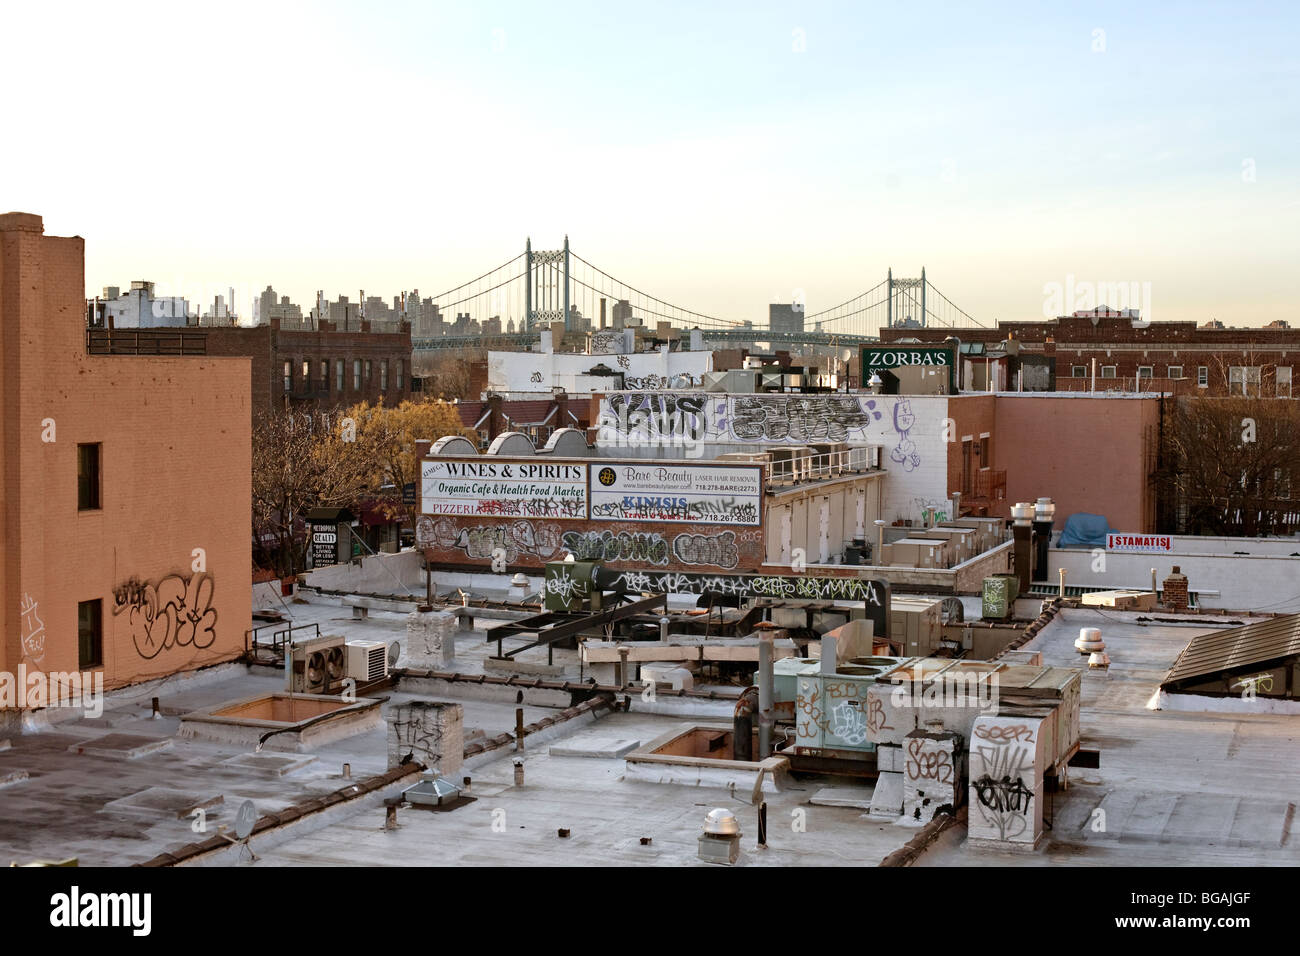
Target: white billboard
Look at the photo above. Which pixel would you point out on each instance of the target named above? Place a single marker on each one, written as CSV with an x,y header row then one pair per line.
x,y
486,488
678,493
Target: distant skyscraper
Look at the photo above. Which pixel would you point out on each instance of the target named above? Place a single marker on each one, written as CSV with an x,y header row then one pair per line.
x,y
786,317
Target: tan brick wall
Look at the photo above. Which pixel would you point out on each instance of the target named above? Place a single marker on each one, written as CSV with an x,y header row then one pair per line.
x,y
175,477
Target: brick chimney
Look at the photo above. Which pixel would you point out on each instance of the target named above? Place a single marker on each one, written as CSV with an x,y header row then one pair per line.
x,y
496,417
1175,591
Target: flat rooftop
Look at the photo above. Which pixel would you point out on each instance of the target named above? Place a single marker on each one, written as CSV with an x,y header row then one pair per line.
x,y
1176,788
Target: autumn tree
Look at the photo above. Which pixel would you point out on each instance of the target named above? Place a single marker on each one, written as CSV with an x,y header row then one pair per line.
x,y
1228,463
386,436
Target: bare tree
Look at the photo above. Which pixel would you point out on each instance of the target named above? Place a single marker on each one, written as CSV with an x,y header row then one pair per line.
x,y
1228,464
302,460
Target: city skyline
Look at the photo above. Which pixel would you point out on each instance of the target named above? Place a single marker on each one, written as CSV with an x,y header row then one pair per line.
x,y
721,162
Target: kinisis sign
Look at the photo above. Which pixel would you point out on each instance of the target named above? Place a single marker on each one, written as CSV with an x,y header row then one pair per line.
x,y
886,358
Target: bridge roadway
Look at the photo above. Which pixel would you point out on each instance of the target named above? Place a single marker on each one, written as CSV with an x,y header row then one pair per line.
x,y
516,340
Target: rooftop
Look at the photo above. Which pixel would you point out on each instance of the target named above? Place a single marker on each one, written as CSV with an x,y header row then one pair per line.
x,y
1175,788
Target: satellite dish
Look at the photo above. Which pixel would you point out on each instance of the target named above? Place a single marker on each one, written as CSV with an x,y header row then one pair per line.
x,y
394,653
245,819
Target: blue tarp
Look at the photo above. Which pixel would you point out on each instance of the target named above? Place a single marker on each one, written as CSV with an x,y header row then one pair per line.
x,y
1083,530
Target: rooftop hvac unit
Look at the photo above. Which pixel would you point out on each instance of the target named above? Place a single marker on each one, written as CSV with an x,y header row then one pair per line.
x,y
367,661
317,665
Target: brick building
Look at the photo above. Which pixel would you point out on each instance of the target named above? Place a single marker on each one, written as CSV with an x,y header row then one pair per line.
x,y
321,367
124,487
1132,355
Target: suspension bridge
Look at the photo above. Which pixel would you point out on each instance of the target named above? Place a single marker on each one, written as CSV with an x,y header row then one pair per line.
x,y
510,305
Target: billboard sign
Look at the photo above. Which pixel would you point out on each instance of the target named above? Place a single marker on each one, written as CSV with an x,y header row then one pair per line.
x,y
879,357
677,493
485,487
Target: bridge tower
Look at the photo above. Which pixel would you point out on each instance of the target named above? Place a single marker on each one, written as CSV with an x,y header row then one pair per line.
x,y
543,272
906,290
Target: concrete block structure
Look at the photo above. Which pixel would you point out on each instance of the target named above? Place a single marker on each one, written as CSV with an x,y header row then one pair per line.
x,y
430,639
933,772
125,487
429,732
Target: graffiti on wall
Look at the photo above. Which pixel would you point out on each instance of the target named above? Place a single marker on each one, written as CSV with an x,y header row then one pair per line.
x,y
718,550
766,419
480,542
32,629
719,511
1002,775
642,547
684,380
175,611
800,418
744,585
904,421
652,417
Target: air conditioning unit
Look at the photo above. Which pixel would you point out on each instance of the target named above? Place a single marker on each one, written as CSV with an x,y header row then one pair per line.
x,y
318,665
367,661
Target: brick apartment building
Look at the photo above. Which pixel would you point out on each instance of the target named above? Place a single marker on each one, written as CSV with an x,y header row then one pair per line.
x,y
124,487
1132,355
321,367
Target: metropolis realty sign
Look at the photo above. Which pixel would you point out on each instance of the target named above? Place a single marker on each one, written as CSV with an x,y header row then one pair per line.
x,y
883,358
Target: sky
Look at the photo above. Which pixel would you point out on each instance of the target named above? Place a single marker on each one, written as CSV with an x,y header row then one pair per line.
x,y
720,156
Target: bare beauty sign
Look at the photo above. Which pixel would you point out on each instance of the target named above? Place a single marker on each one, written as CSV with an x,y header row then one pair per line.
x,y
676,492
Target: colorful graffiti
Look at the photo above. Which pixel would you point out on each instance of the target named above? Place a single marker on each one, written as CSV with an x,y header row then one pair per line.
x,y
642,547
718,550
176,611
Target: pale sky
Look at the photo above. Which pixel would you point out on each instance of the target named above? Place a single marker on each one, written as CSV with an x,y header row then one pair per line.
x,y
720,156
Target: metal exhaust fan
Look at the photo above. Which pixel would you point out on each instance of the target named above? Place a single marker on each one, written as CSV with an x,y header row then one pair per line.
x,y
316,669
334,664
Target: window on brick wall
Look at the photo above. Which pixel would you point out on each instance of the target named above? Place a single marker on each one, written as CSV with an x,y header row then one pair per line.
x,y
88,477
367,371
1284,381
324,375
1108,371
356,375
1244,380
1145,372
1079,371
399,375
383,375
306,373
288,375
90,634
1203,376
338,375
1175,371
